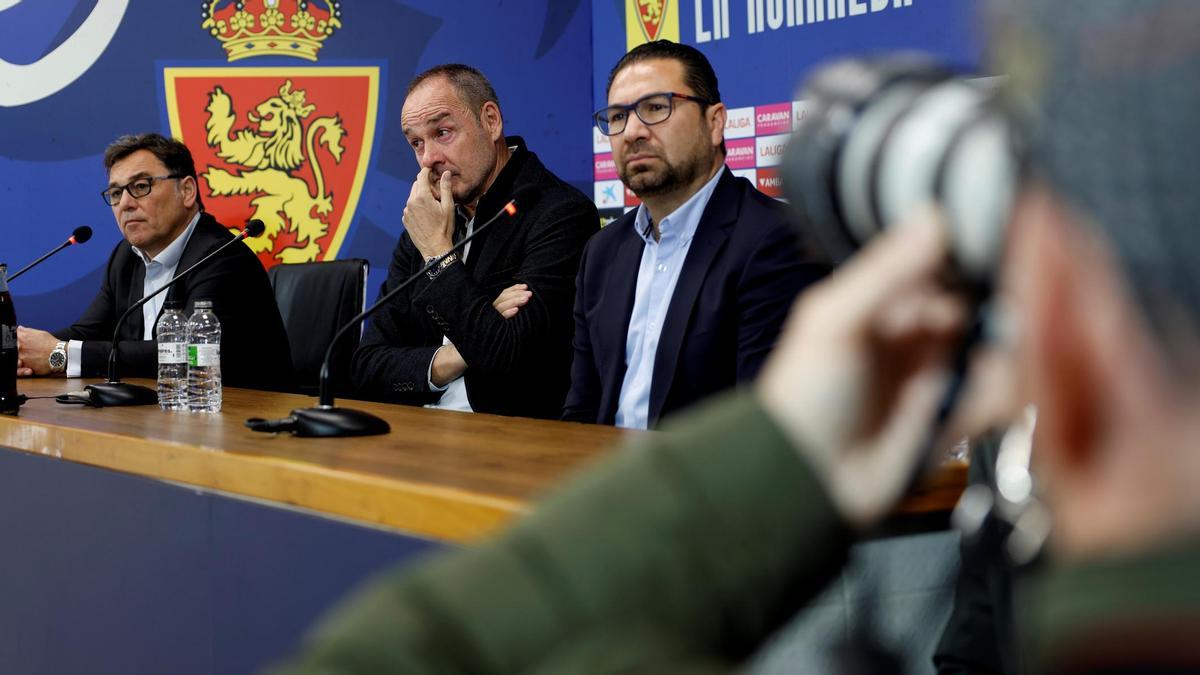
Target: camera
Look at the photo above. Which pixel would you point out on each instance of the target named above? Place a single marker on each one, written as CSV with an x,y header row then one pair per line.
x,y
883,136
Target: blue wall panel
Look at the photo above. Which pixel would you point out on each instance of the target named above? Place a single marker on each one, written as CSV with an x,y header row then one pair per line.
x,y
105,573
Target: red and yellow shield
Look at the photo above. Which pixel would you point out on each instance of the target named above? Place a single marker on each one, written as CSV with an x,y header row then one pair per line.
x,y
289,146
649,20
651,13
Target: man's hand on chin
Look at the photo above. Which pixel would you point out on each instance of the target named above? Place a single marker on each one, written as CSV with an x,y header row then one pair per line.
x,y
33,351
429,220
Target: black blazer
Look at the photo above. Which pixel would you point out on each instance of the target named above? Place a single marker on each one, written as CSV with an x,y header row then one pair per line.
x,y
743,269
517,366
254,346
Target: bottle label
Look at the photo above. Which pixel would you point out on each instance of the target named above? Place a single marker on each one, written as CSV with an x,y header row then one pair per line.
x,y
170,353
200,356
8,337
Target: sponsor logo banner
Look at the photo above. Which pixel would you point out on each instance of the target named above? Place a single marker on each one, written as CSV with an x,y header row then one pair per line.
x,y
773,119
770,183
600,142
799,113
604,168
740,123
630,198
608,194
609,215
770,149
741,153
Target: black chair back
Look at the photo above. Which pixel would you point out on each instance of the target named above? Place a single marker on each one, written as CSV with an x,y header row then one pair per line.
x,y
316,299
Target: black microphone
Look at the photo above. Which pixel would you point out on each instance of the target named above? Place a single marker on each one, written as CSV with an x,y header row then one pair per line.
x,y
114,392
327,420
79,236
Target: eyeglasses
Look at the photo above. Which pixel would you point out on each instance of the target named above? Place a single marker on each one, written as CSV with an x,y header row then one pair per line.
x,y
650,109
138,188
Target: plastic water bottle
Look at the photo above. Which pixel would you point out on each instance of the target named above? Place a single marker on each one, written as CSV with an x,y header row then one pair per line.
x,y
9,401
204,359
172,334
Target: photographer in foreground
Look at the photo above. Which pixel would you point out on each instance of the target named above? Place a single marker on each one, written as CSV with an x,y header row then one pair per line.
x,y
681,555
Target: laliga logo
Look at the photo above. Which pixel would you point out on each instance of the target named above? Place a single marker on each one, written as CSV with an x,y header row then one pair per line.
x,y
22,84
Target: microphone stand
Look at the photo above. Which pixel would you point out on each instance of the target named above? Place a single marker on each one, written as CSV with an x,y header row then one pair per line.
x,y
81,235
326,419
114,392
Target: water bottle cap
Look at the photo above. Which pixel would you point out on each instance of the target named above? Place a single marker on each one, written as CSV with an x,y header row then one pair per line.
x,y
202,304
176,305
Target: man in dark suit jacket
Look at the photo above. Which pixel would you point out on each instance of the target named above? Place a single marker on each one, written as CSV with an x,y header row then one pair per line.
x,y
684,296
489,329
154,196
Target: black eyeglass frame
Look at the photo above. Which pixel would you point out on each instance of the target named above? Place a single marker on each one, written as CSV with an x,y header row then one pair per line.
x,y
633,107
104,194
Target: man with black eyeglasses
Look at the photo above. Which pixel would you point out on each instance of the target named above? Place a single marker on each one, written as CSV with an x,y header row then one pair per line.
x,y
685,295
155,200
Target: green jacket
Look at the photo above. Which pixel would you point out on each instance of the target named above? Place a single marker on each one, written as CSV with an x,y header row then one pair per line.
x,y
682,553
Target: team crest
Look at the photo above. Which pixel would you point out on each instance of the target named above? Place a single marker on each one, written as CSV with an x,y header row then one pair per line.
x,y
649,20
287,145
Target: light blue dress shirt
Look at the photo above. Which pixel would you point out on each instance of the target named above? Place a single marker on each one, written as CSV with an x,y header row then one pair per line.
x,y
159,271
661,264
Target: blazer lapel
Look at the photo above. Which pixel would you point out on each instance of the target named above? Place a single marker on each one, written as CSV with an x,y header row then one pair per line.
x,y
613,330
711,234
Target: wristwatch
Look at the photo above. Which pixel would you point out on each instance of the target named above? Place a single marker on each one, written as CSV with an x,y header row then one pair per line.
x,y
446,262
58,358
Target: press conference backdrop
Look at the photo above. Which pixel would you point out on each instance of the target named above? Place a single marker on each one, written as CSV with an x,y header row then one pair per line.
x,y
761,50
322,82
292,109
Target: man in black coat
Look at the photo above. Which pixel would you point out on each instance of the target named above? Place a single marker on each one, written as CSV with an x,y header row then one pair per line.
x,y
489,329
156,202
684,296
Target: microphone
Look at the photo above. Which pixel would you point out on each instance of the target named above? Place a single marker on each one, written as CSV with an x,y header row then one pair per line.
x,y
114,392
325,419
79,236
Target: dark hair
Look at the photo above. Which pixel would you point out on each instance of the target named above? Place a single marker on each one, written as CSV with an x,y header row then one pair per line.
x,y
472,87
172,153
698,73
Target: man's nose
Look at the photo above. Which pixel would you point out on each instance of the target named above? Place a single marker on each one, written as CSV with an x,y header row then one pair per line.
x,y
431,158
126,201
635,128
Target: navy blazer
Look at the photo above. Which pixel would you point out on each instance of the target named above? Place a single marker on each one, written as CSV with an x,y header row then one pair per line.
x,y
744,268
254,345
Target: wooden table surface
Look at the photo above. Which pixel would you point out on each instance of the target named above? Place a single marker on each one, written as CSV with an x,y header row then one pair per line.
x,y
447,475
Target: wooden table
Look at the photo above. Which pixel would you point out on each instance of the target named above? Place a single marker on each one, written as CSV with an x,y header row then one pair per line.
x,y
145,541
448,475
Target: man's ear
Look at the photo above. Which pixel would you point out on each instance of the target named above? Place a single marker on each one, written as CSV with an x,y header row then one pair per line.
x,y
1062,357
492,121
717,116
190,190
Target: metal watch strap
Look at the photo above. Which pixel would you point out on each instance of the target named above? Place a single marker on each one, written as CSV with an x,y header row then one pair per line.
x,y
446,262
60,350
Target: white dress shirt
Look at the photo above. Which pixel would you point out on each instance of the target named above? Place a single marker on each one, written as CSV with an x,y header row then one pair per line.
x,y
159,271
662,262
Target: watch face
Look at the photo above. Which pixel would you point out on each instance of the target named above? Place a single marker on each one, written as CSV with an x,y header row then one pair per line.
x,y
57,360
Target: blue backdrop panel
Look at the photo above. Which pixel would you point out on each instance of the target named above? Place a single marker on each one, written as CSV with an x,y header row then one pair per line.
x,y
75,74
761,51
101,572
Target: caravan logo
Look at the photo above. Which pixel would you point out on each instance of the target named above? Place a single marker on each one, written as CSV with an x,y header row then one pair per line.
x,y
287,145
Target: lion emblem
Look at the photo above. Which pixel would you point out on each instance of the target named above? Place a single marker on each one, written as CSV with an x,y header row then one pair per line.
x,y
269,154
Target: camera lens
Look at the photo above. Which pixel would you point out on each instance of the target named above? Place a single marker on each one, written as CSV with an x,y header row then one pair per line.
x,y
885,136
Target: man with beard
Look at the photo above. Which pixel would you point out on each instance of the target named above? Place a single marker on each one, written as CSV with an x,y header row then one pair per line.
x,y
684,296
488,329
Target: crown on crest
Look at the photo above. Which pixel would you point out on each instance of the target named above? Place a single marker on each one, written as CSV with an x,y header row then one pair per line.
x,y
272,27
